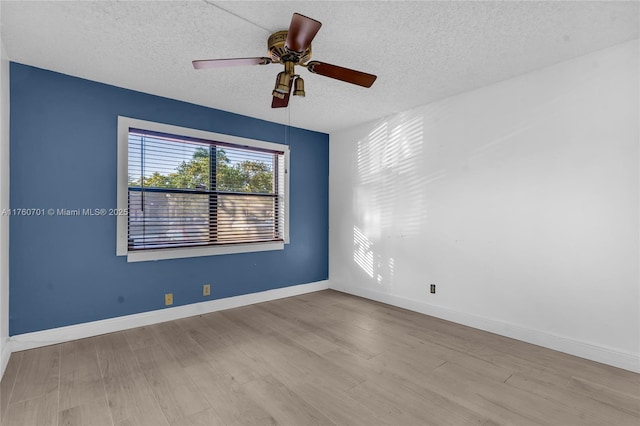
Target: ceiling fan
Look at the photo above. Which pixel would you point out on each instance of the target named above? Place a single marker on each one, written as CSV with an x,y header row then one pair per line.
x,y
291,48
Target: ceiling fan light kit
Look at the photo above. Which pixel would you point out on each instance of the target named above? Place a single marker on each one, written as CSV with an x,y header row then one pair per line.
x,y
283,83
299,87
291,48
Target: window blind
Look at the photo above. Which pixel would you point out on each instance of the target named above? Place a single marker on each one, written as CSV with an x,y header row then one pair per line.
x,y
185,192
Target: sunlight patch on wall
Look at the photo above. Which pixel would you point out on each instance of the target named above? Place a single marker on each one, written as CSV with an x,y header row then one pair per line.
x,y
390,198
374,265
362,253
390,264
389,195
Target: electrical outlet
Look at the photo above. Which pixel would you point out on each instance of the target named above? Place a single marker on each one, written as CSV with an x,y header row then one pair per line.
x,y
433,288
206,290
168,299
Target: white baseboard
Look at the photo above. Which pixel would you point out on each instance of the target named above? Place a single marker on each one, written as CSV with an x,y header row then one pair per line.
x,y
53,336
589,351
37,339
5,353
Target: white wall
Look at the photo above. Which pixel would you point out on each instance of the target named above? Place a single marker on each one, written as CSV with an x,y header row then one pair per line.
x,y
520,200
4,204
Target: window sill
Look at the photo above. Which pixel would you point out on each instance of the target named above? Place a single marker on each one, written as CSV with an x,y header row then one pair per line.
x,y
180,253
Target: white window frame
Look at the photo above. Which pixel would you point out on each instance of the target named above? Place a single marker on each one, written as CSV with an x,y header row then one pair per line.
x,y
122,248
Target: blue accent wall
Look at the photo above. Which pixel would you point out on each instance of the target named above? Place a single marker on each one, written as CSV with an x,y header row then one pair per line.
x,y
64,270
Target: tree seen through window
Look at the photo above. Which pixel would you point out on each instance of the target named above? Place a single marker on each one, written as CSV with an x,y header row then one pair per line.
x,y
252,176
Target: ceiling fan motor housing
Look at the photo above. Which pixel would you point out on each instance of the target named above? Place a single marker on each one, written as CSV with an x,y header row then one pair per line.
x,y
279,52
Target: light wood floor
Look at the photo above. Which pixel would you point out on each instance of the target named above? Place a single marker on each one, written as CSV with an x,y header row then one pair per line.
x,y
321,358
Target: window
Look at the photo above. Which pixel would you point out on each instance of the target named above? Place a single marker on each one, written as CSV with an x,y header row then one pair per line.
x,y
190,193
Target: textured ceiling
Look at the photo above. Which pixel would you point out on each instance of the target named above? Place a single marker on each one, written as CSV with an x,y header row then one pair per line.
x,y
421,51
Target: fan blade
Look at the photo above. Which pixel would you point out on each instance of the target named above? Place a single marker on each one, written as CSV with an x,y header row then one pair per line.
x,y
282,103
339,73
301,32
223,63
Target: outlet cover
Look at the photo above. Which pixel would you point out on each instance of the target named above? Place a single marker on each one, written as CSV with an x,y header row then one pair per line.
x,y
206,290
433,288
168,299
